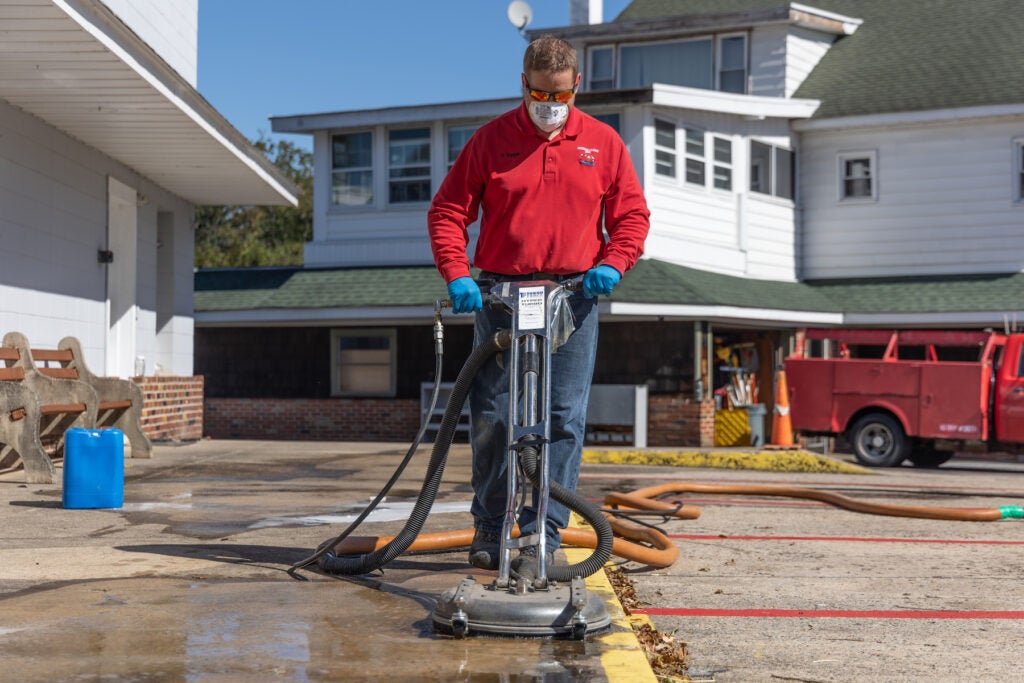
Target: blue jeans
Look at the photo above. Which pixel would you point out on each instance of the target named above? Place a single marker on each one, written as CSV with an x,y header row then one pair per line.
x,y
572,368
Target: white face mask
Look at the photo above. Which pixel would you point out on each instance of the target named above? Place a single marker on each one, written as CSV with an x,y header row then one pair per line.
x,y
549,116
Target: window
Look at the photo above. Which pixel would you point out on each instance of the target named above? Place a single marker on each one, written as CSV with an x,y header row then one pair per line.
x,y
723,163
409,165
857,175
732,64
771,170
707,62
458,136
695,165
363,362
352,169
602,68
665,148
686,63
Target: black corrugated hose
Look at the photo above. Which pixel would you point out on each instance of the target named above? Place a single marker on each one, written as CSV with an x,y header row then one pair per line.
x,y
362,564
605,536
329,562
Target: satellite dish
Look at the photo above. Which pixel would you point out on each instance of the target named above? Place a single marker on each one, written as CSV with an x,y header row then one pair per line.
x,y
520,14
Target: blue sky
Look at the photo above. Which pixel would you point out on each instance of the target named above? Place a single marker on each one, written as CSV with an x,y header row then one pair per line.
x,y
263,58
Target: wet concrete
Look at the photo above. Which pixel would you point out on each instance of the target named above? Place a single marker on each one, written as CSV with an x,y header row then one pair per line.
x,y
188,581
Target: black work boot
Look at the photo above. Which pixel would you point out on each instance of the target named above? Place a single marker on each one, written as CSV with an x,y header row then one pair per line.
x,y
485,551
526,565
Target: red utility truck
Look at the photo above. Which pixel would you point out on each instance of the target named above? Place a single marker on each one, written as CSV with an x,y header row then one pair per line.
x,y
917,395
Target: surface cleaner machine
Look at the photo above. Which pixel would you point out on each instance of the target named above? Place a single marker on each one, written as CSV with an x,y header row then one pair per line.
x,y
526,599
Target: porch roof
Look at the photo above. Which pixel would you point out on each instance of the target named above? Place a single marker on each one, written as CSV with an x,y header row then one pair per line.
x,y
653,289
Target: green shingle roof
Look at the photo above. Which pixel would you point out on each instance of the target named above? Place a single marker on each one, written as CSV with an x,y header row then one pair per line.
x,y
908,55
651,281
258,288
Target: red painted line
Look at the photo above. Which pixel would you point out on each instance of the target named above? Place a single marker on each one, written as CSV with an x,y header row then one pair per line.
x,y
828,614
854,539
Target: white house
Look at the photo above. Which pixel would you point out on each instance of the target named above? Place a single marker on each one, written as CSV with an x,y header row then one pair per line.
x,y
105,149
821,163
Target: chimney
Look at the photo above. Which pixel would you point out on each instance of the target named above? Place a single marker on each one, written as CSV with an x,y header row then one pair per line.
x,y
585,12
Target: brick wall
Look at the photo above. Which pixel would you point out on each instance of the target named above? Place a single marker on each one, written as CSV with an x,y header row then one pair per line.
x,y
172,407
333,419
677,420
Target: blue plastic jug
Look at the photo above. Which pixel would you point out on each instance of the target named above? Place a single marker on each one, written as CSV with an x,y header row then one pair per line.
x,y
93,468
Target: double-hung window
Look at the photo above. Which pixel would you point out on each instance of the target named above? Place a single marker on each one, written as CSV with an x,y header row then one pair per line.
x,y
352,169
696,166
602,68
723,163
665,148
363,362
856,172
771,170
409,165
732,64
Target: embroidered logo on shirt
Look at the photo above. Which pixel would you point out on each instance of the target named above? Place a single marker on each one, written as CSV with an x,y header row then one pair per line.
x,y
588,155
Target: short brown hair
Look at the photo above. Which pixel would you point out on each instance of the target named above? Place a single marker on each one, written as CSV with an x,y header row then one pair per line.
x,y
551,55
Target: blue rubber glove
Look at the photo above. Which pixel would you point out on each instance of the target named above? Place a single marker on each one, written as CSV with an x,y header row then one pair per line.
x,y
465,295
600,280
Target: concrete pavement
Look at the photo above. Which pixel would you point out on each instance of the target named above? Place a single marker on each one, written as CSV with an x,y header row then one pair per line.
x,y
188,580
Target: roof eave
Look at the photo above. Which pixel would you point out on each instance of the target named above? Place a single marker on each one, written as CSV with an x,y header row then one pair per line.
x,y
145,116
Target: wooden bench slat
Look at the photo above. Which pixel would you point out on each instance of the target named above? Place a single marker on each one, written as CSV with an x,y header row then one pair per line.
x,y
57,355
58,408
115,405
59,373
8,353
18,414
12,374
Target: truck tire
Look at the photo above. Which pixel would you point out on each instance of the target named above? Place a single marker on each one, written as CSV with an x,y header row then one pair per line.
x,y
878,440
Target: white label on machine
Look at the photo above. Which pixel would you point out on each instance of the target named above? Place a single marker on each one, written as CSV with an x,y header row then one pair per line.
x,y
531,308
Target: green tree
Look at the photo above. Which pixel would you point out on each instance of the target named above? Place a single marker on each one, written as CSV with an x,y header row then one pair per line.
x,y
260,235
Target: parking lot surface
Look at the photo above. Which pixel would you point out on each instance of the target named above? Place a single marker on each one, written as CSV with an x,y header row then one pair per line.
x,y
770,589
188,580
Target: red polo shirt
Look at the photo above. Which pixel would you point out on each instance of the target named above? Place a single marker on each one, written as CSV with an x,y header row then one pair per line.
x,y
542,200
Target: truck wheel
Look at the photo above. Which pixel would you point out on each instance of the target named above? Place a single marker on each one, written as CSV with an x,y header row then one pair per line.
x,y
878,441
926,456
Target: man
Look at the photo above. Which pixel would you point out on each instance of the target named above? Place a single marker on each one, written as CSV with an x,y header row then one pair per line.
x,y
549,180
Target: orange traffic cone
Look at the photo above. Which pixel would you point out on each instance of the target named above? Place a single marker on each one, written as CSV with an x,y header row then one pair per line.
x,y
782,426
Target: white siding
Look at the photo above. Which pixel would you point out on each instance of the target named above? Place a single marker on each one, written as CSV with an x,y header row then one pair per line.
x,y
170,27
737,233
804,49
53,191
945,201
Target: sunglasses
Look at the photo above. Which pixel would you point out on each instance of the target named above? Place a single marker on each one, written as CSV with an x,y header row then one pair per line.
x,y
548,96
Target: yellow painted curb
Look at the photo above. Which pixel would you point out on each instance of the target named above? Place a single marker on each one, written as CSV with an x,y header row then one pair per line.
x,y
775,461
622,657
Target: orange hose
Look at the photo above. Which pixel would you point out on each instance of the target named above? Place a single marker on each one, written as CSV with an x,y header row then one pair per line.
x,y
641,500
627,543
649,546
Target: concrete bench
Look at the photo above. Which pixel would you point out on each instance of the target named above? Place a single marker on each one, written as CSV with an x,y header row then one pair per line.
x,y
120,400
37,409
